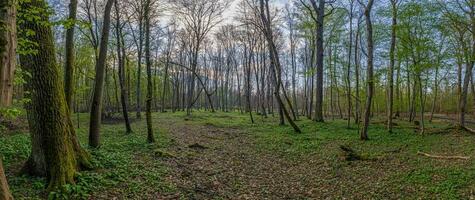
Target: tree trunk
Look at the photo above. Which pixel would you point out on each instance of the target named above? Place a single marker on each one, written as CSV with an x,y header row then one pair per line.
x,y
275,63
4,189
69,63
357,75
348,72
391,66
165,81
121,62
56,153
8,43
320,10
150,137
421,94
138,96
468,72
370,81
96,107
436,92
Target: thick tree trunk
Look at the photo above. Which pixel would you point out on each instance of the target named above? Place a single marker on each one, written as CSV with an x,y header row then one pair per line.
x,y
56,153
463,96
468,72
320,10
8,45
96,107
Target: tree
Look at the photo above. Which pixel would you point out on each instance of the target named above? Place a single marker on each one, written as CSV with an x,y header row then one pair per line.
x,y
96,106
275,63
69,63
121,57
320,11
7,65
392,51
4,189
56,153
348,72
8,44
370,80
148,7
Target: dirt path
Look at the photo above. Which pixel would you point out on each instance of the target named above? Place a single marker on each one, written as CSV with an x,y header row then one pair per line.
x,y
216,163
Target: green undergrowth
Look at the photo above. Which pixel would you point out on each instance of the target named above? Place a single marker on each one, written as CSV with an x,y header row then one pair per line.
x,y
418,176
125,165
128,167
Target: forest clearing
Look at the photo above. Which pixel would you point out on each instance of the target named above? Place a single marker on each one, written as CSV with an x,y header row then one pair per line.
x,y
222,156
237,99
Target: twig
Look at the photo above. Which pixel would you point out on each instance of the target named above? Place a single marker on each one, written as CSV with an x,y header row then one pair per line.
x,y
443,157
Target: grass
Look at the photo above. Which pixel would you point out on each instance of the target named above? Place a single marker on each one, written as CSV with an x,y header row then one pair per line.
x,y
125,166
129,168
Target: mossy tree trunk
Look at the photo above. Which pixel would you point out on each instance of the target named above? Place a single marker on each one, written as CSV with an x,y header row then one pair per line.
x,y
56,152
8,44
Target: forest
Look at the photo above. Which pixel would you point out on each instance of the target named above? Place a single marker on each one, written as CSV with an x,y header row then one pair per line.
x,y
237,99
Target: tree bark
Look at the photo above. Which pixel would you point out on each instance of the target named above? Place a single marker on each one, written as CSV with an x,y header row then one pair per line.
x,y
348,72
8,45
150,137
121,62
370,81
4,189
96,107
70,59
320,10
391,66
56,153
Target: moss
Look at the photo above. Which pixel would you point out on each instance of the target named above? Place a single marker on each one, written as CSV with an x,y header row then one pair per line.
x,y
56,151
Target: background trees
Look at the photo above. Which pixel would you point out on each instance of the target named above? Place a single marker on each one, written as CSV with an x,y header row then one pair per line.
x,y
320,59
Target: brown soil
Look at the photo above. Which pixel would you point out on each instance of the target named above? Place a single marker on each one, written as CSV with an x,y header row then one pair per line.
x,y
217,163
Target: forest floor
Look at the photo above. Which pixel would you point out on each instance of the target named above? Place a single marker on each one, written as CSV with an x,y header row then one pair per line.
x,y
224,156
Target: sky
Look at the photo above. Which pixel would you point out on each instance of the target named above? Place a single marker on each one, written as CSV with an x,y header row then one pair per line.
x,y
232,11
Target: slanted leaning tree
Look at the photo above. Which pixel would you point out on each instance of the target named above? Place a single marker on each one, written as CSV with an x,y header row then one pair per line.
x,y
96,106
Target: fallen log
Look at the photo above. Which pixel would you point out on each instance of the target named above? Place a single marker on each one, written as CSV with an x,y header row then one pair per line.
x,y
443,157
